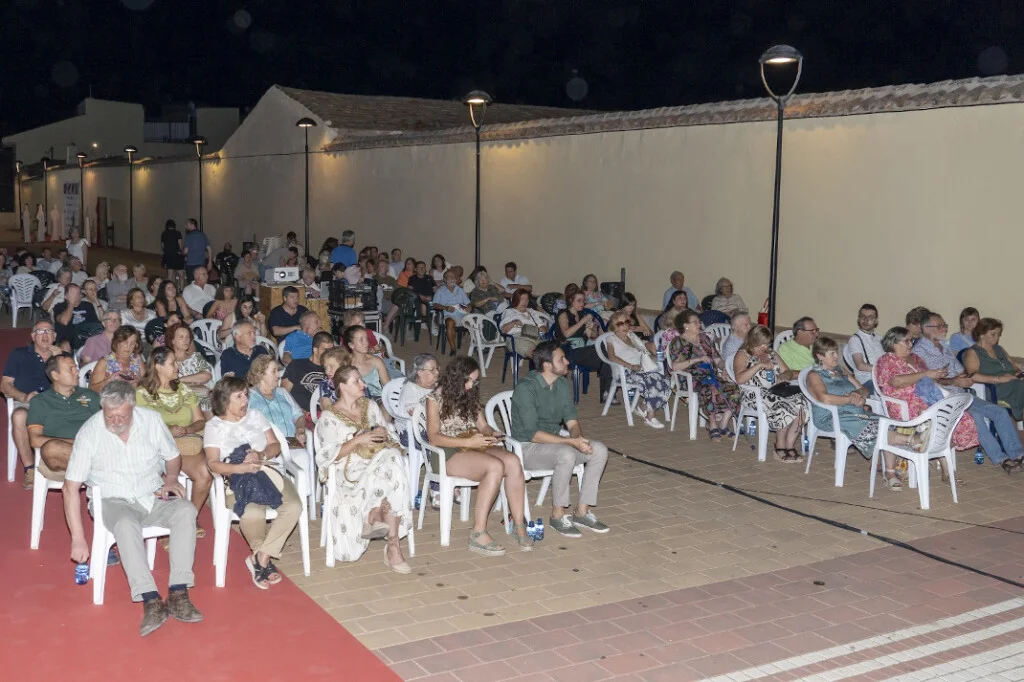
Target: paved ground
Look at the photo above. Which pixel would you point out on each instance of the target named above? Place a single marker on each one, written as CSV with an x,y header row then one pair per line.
x,y
695,581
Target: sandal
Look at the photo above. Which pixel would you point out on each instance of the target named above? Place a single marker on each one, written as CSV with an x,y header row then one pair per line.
x,y
525,541
272,574
893,482
1010,466
403,568
794,455
257,572
715,434
492,548
375,531
785,457
919,439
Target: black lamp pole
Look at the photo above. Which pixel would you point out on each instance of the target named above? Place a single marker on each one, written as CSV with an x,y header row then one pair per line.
x,y
81,194
306,124
477,102
777,55
199,141
46,193
129,150
17,172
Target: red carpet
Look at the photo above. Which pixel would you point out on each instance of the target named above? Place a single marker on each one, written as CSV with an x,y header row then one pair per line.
x,y
50,629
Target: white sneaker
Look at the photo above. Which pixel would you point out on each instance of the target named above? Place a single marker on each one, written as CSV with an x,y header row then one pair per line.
x,y
639,413
654,423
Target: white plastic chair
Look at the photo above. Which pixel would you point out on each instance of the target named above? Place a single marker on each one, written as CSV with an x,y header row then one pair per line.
x,y
269,344
39,491
758,414
781,338
85,374
475,322
280,350
446,483
841,439
206,331
943,417
392,390
103,540
23,288
326,532
386,342
501,405
217,375
719,333
223,516
312,493
619,381
13,461
887,402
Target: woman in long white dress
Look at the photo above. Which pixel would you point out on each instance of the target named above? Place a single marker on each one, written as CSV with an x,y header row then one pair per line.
x,y
371,495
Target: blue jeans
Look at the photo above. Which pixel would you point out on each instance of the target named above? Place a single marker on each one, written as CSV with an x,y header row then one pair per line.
x,y
1011,447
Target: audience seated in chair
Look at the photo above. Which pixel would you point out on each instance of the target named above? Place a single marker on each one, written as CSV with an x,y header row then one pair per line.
x,y
268,396
453,304
298,345
473,450
1006,450
964,338
865,346
988,363
678,281
694,352
285,318
524,325
541,404
200,293
121,450
513,281
757,364
676,304
233,426
371,495
56,414
642,371
371,368
796,352
236,359
486,296
740,325
726,301
578,330
301,377
98,345
592,296
332,360
72,317
135,313
124,363
637,325
424,373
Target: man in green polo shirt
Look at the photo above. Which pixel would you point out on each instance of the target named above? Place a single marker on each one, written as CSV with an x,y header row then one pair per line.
x,y
796,352
55,415
541,404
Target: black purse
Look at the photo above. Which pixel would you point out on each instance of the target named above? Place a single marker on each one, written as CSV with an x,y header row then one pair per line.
x,y
785,390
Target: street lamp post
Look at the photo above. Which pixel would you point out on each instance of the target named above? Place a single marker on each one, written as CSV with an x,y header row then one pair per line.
x,y
306,124
46,192
81,194
477,102
130,150
774,56
199,141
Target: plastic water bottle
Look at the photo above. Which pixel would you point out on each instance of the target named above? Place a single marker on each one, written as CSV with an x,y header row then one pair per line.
x,y
539,530
531,530
769,374
807,445
979,457
81,573
419,499
661,358
752,429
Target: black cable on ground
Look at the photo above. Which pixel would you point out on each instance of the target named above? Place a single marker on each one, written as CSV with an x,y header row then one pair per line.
x,y
821,519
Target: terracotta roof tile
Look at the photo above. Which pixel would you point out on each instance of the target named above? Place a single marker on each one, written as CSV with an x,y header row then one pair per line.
x,y
910,97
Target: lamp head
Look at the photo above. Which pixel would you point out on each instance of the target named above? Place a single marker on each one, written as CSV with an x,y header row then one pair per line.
x,y
477,101
199,141
45,161
305,123
81,158
781,54
17,166
131,149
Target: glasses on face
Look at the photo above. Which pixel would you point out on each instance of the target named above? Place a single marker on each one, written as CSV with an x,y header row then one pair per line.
x,y
937,326
905,342
813,330
43,332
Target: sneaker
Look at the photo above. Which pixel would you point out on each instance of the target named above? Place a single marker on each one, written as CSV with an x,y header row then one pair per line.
x,y
590,522
29,478
112,558
653,423
565,526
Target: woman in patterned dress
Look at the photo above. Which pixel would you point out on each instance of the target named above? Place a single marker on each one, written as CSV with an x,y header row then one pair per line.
x,y
757,364
694,352
371,496
194,371
124,362
642,371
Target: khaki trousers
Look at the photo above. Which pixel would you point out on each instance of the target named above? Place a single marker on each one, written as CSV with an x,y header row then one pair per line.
x,y
253,522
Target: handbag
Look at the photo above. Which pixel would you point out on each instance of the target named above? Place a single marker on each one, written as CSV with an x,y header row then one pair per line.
x,y
530,331
785,390
762,317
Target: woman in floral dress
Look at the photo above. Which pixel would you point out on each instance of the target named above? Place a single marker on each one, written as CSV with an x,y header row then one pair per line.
x,y
692,351
371,495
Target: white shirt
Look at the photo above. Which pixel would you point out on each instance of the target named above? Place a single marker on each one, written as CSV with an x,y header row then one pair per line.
x,y
196,298
409,398
59,298
625,351
505,282
128,471
513,314
868,345
79,277
396,269
55,266
76,250
129,319
226,436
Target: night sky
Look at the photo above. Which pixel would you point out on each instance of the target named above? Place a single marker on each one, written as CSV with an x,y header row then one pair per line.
x,y
624,55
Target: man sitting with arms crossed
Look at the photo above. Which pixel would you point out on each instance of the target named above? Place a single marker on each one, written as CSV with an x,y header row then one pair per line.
x,y
299,344
284,319
865,346
121,450
796,352
24,377
56,415
1005,451
541,404
740,328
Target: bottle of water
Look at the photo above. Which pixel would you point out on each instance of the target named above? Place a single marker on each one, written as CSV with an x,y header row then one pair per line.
x,y
81,573
979,456
419,499
807,445
531,530
539,529
752,429
769,374
661,358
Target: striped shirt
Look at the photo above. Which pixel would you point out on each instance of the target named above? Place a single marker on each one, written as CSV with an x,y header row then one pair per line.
x,y
128,471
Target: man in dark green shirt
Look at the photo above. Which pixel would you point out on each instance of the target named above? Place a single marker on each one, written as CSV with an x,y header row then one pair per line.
x,y
56,415
541,404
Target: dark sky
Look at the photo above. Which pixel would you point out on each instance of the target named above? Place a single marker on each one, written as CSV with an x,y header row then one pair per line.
x,y
631,55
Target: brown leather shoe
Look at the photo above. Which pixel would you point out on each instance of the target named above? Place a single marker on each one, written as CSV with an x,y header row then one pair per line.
x,y
181,608
154,614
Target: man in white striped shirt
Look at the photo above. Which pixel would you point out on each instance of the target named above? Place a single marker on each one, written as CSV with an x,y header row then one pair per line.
x,y
120,451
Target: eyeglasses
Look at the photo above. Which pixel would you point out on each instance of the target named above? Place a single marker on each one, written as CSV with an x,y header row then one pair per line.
x,y
811,331
43,332
905,341
937,326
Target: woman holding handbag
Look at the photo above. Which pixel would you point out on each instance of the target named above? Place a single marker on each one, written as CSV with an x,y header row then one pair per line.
x,y
524,326
642,371
371,497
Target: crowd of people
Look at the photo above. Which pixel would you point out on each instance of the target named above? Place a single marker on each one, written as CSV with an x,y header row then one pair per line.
x,y
154,405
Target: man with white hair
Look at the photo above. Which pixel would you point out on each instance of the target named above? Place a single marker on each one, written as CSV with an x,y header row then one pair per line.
x,y
121,451
740,328
118,288
78,273
200,293
236,359
344,253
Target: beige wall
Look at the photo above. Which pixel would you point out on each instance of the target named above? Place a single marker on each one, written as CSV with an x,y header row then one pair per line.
x,y
902,209
108,124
